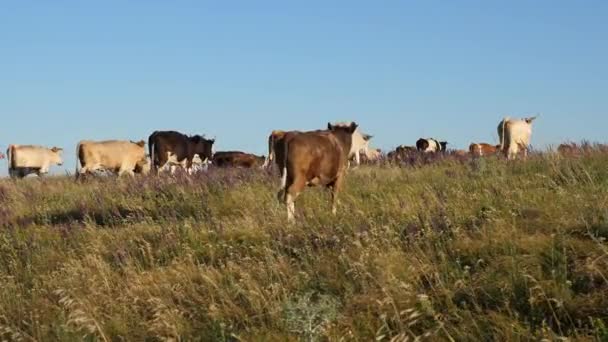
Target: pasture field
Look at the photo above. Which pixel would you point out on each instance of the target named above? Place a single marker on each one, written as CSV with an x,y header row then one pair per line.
x,y
455,250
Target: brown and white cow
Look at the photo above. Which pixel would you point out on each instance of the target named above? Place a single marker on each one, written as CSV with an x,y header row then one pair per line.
x,y
237,159
27,159
515,134
278,138
430,145
117,156
483,149
315,158
176,149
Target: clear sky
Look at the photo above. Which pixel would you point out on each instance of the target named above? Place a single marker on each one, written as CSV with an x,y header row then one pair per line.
x,y
72,70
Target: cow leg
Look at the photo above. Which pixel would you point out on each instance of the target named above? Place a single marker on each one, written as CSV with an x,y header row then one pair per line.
x,y
42,171
335,188
291,193
127,171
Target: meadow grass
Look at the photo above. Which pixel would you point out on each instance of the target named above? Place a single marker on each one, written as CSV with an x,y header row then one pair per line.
x,y
455,250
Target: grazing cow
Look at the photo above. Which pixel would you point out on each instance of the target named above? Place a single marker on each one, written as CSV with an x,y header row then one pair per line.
x,y
371,155
515,134
27,159
118,156
315,158
402,152
572,149
460,153
483,149
237,159
431,145
177,149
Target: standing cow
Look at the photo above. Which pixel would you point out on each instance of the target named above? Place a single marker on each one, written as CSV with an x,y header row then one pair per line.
x,y
515,134
278,138
118,156
27,159
177,149
315,158
430,145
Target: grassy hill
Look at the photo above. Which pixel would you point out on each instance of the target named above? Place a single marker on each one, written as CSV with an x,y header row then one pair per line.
x,y
465,251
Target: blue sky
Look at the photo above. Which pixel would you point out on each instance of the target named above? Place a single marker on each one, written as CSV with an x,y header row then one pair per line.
x,y
71,70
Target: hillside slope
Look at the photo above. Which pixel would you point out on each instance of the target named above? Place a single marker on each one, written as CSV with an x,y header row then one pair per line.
x,y
482,250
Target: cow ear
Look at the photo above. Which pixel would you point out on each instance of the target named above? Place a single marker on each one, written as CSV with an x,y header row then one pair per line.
x,y
330,127
56,149
353,127
529,120
141,143
367,137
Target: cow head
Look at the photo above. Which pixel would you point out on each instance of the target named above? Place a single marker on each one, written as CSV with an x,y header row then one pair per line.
x,y
56,155
203,147
143,166
140,143
343,128
444,145
529,120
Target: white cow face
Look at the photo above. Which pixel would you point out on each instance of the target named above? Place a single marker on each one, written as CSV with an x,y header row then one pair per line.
x,y
56,156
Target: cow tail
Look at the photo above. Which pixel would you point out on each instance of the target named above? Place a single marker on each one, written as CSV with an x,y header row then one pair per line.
x,y
502,136
271,154
151,150
284,170
77,170
9,157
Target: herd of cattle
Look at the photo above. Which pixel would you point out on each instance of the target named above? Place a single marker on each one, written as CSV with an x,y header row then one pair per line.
x,y
310,158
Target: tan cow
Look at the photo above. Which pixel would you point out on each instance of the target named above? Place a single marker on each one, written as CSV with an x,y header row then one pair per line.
x,y
118,156
483,149
515,134
315,158
27,159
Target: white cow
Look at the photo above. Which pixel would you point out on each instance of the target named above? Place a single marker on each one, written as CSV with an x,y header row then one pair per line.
x,y
360,143
515,134
27,159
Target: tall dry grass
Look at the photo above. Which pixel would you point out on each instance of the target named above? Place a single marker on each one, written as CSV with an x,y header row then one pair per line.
x,y
453,250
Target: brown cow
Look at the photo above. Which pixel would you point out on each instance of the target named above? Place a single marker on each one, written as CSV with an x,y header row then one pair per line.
x,y
483,149
315,158
237,159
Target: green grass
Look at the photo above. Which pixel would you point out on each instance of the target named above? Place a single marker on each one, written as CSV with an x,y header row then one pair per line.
x,y
482,250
